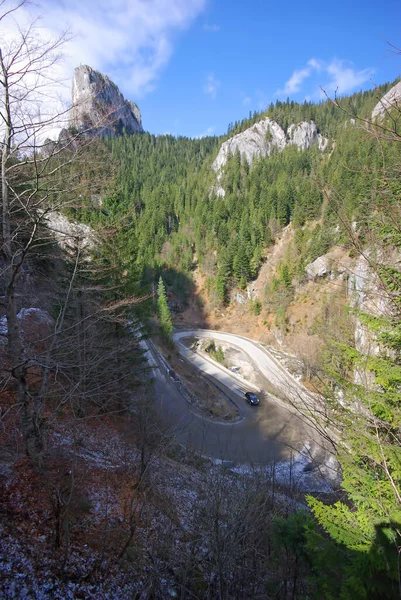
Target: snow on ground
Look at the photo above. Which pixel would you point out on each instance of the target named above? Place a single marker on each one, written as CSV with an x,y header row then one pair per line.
x,y
21,580
308,474
106,467
165,514
304,471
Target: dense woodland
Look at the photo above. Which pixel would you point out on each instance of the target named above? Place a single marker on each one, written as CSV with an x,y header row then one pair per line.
x,y
167,217
150,203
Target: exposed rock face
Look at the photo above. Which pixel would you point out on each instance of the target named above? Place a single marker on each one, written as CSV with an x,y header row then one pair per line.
x,y
390,100
318,268
240,298
363,286
262,138
305,134
98,103
367,294
363,293
70,234
258,140
65,140
333,266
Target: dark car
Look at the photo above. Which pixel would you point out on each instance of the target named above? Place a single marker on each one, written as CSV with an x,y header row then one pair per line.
x,y
252,398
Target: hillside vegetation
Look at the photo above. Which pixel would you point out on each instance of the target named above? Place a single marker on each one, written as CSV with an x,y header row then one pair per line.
x,y
167,216
98,499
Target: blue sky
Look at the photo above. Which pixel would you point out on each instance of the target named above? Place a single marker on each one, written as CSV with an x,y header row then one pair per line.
x,y
193,66
239,56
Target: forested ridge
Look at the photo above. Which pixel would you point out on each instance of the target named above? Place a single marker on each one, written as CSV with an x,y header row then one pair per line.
x,y
99,498
172,222
163,206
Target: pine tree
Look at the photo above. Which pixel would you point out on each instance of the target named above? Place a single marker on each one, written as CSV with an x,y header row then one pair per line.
x,y
241,269
368,526
163,310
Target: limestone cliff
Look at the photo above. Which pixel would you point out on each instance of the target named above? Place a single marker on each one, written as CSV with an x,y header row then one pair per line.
x,y
70,234
262,138
99,106
391,100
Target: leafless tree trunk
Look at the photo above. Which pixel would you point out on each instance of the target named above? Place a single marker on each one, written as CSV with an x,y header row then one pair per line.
x,y
37,179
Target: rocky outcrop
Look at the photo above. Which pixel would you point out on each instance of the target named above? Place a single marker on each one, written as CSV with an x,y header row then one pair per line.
x,y
258,140
363,287
264,137
99,107
391,100
367,294
318,268
335,265
69,234
305,134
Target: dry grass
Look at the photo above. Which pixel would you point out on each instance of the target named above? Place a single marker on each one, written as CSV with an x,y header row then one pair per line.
x,y
210,397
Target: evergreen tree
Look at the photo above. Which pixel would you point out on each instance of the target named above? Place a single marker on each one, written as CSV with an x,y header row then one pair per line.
x,y
162,191
368,525
163,310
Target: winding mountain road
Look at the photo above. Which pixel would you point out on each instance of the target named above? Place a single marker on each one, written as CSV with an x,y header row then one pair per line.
x,y
270,432
281,380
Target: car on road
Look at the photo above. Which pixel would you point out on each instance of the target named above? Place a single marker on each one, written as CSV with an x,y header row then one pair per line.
x,y
252,398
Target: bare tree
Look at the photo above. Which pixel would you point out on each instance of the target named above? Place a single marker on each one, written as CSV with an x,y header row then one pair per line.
x,y
26,67
40,179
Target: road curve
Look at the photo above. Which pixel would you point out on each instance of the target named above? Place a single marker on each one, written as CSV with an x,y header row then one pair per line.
x,y
280,379
267,433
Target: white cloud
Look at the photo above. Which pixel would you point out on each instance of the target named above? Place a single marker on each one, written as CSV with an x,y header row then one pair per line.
x,y
130,40
340,75
209,131
211,86
247,101
315,64
294,83
344,78
211,28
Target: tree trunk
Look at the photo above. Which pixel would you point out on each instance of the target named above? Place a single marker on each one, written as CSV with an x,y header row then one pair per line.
x,y
29,425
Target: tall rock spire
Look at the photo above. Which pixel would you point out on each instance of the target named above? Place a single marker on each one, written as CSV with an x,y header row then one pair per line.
x,y
99,106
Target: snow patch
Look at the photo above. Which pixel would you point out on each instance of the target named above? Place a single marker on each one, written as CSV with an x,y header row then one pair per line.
x,y
304,471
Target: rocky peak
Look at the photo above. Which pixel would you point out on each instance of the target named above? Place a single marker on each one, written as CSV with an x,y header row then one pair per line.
x,y
262,138
305,134
97,102
258,140
389,101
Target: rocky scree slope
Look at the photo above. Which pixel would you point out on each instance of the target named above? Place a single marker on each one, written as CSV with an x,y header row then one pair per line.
x,y
98,105
262,138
